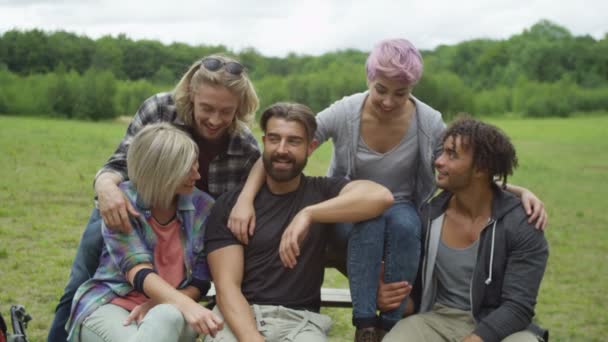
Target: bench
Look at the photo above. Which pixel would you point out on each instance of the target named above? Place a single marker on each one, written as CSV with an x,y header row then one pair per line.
x,y
330,297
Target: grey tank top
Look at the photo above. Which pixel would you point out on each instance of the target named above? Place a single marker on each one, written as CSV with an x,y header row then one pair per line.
x,y
395,169
454,270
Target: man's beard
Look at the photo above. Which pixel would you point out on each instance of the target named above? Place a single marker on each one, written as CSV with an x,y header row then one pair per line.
x,y
283,175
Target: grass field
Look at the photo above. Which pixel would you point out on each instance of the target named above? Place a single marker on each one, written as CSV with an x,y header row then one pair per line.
x,y
47,166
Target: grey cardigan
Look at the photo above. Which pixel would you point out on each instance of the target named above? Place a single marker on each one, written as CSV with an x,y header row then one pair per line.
x,y
341,122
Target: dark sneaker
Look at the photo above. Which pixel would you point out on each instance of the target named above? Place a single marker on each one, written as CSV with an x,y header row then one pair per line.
x,y
366,335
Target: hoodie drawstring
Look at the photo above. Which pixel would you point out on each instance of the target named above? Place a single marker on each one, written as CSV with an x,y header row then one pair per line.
x,y
489,280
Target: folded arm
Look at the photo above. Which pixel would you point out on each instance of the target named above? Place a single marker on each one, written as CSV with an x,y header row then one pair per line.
x,y
242,217
359,200
201,319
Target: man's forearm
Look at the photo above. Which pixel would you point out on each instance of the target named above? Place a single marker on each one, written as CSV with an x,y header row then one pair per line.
x,y
254,182
359,200
226,265
238,315
106,178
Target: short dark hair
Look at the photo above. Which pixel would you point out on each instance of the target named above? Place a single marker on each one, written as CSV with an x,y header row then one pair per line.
x,y
291,112
492,148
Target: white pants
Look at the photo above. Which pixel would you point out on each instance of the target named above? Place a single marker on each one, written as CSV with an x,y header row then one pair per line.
x,y
163,323
278,323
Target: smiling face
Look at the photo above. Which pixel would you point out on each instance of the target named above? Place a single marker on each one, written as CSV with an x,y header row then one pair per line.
x,y
388,96
187,185
215,108
286,149
454,166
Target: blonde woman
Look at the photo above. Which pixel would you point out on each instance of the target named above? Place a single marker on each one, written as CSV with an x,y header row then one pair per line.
x,y
214,100
149,280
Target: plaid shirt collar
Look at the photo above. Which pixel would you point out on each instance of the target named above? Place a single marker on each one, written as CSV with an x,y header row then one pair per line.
x,y
236,145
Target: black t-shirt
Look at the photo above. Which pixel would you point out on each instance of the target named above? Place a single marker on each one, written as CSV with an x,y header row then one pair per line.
x,y
207,151
265,280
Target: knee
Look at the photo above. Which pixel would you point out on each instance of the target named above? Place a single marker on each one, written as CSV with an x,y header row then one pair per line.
x,y
367,229
405,225
406,329
166,315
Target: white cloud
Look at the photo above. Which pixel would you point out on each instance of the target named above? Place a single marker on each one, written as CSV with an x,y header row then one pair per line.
x,y
277,27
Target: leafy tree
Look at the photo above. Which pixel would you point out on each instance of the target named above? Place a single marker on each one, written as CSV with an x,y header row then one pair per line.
x,y
63,91
96,93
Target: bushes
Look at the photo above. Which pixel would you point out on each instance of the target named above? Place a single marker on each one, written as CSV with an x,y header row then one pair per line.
x,y
96,95
24,95
131,94
537,99
95,98
63,92
545,99
493,102
445,92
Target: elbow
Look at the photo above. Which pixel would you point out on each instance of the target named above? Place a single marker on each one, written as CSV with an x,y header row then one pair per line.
x,y
220,298
223,295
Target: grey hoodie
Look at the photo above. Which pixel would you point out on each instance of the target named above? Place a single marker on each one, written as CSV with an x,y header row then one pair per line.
x,y
341,122
511,261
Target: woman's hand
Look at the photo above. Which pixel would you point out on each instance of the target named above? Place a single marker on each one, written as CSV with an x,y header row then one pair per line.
x,y
242,220
535,209
139,312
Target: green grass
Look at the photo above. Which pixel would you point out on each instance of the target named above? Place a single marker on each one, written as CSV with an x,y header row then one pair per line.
x,y
47,166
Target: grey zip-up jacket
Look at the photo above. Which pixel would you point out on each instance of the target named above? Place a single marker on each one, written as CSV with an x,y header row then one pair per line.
x,y
511,261
342,122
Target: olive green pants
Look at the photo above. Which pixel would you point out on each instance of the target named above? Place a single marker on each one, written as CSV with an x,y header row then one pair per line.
x,y
443,323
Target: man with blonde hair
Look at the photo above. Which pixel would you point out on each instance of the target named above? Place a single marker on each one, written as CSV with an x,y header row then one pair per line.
x,y
214,101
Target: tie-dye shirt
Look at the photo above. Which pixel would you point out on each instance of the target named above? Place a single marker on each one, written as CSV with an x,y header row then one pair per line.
x,y
122,251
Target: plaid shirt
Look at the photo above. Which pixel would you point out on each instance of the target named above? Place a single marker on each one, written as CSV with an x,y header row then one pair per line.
x,y
121,252
226,171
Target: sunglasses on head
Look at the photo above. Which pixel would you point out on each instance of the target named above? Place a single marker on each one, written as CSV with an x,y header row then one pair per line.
x,y
215,64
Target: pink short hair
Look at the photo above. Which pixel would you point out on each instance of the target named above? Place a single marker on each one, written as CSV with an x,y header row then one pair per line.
x,y
396,59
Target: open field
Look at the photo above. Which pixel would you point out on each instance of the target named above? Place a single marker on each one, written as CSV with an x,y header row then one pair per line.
x,y
47,166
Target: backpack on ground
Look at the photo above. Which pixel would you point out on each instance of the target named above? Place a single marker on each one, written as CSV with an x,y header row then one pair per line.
x,y
19,320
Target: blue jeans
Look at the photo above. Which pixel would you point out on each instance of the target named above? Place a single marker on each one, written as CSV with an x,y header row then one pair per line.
x,y
83,268
393,237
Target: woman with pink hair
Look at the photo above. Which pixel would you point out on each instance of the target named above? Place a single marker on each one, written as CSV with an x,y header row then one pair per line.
x,y
386,135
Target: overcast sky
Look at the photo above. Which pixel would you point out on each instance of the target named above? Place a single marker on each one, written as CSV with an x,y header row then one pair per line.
x,y
276,27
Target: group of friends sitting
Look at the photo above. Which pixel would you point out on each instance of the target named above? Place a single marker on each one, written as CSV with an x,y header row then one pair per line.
x,y
436,245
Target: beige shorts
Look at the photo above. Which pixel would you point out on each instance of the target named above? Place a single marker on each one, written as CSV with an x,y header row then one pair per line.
x,y
443,323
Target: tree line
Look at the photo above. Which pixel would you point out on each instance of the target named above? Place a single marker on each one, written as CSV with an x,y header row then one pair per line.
x,y
543,71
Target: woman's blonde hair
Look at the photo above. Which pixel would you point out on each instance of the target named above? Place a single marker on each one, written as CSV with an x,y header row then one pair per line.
x,y
158,160
239,85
